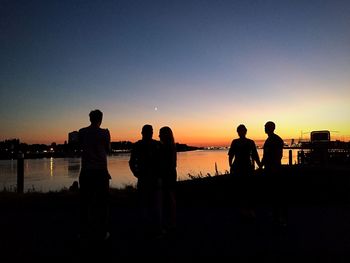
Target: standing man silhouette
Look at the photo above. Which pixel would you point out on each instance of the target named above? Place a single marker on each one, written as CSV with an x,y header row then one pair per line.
x,y
144,164
271,161
94,179
273,150
242,156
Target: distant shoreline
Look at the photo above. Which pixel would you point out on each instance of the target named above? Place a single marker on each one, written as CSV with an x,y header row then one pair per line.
x,y
76,155
13,149
48,155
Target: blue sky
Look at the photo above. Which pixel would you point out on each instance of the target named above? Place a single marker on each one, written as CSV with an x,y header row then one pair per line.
x,y
201,67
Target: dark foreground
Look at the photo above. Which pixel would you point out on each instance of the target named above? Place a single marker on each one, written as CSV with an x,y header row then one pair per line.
x,y
43,227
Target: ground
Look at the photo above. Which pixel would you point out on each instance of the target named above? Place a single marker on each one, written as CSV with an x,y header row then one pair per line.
x,y
44,227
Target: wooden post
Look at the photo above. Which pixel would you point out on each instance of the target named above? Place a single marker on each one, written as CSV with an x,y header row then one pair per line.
x,y
20,173
290,157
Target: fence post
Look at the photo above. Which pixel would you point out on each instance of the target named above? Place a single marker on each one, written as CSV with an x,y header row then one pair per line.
x,y
20,173
290,157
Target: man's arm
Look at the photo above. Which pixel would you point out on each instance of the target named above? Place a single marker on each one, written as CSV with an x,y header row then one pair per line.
x,y
108,142
280,149
133,162
230,154
80,140
230,158
255,155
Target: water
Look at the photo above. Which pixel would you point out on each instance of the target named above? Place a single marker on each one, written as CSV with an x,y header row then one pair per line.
x,y
52,174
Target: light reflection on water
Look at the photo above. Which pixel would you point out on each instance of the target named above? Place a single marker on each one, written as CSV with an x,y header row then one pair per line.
x,y
51,174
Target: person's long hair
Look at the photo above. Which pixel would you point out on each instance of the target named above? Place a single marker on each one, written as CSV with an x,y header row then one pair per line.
x,y
167,138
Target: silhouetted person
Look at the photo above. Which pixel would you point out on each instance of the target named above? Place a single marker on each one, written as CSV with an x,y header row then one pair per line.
x,y
94,179
144,164
242,156
74,187
169,177
271,161
273,150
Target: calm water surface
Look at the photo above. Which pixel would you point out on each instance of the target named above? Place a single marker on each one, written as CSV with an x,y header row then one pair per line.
x,y
57,173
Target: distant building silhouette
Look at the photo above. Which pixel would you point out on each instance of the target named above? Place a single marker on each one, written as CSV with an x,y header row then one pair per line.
x,y
73,137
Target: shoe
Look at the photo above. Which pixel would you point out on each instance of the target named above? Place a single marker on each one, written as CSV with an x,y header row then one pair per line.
x,y
107,236
283,224
82,236
282,221
159,234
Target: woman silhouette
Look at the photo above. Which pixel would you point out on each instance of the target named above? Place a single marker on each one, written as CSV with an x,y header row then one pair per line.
x,y
169,177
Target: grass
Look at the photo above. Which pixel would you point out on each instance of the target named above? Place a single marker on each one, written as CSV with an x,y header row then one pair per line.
x,y
300,183
208,206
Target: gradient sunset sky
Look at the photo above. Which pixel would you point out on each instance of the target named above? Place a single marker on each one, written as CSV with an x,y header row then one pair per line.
x,y
200,67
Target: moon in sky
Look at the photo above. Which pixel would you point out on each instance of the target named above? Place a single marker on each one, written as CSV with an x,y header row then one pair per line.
x,y
155,108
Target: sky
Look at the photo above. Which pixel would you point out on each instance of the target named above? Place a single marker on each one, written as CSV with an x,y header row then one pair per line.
x,y
200,67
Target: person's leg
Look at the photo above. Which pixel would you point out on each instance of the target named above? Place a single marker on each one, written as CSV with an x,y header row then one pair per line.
x,y
101,207
156,208
170,210
85,213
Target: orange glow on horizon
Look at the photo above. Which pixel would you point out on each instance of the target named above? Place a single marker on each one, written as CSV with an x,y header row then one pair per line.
x,y
193,134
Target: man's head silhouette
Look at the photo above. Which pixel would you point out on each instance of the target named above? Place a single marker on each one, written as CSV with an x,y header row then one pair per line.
x,y
96,117
269,127
147,132
242,131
